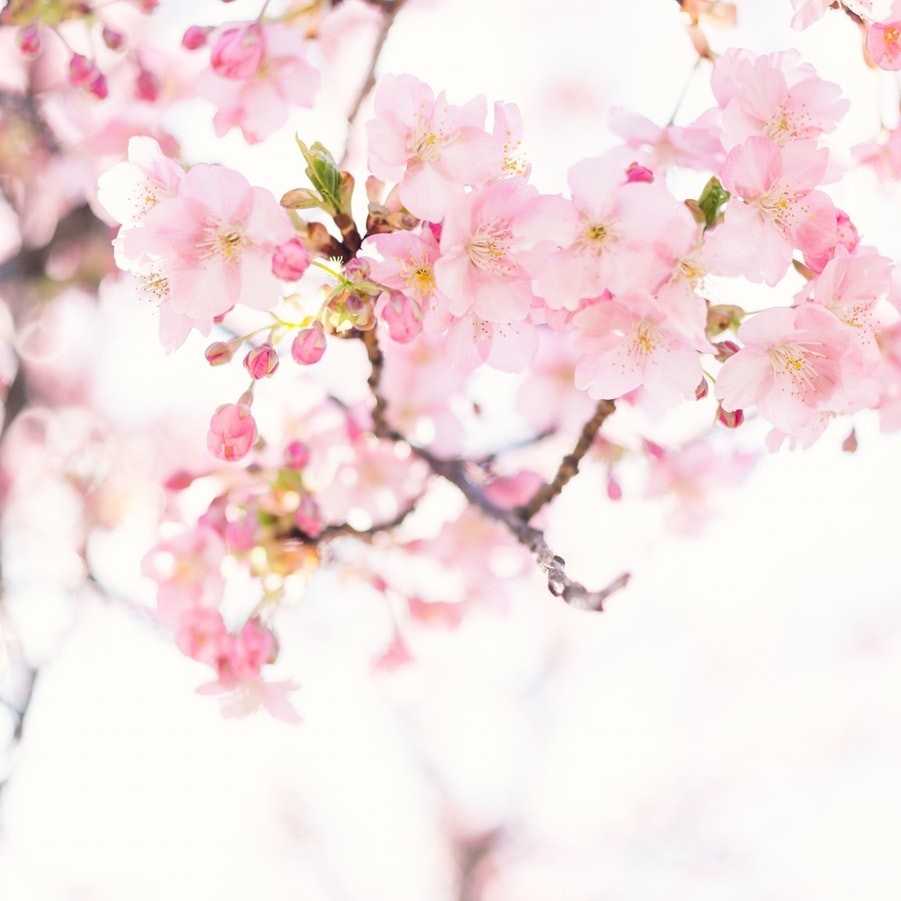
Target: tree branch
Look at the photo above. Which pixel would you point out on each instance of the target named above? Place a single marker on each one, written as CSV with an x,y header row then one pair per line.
x,y
390,9
569,465
457,473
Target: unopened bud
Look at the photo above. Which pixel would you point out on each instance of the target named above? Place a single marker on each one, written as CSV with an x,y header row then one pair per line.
x,y
219,352
308,516
726,349
404,317
309,345
297,455
731,419
261,362
29,40
637,172
614,489
290,260
147,86
82,70
702,390
99,86
195,37
849,445
112,37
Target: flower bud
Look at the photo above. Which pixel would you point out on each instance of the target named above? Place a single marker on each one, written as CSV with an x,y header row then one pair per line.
x,y
702,390
297,455
82,71
309,345
731,419
238,52
219,352
726,349
112,37
637,172
261,362
29,40
147,86
99,87
290,260
308,517
195,37
232,432
404,317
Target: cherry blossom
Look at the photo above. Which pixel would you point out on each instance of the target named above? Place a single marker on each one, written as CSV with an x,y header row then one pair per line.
x,y
432,148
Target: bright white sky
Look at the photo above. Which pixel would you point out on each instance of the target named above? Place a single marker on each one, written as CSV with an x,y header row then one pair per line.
x,y
729,729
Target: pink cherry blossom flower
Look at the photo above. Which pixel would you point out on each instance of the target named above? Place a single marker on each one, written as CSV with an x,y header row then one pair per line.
x,y
884,44
791,367
775,96
213,243
187,571
407,265
256,77
781,211
484,252
232,432
238,52
613,235
694,146
432,148
851,287
628,342
202,635
129,190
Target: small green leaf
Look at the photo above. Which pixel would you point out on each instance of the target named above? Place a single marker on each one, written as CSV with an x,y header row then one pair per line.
x,y
323,174
301,199
712,200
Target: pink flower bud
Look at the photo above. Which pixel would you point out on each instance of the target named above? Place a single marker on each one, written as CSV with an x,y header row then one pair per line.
x,y
81,70
726,349
614,490
637,172
309,345
731,419
232,432
238,52
290,260
357,268
261,362
148,6
219,352
404,317
849,445
29,40
99,87
250,650
297,455
195,37
147,86
112,37
702,390
308,517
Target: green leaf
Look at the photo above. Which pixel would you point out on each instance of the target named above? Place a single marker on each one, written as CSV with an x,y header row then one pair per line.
x,y
712,200
323,174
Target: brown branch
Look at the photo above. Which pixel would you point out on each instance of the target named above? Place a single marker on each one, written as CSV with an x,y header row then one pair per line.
x,y
569,465
457,473
391,8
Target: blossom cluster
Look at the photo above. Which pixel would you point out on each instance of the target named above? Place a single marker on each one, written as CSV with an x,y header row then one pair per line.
x,y
619,291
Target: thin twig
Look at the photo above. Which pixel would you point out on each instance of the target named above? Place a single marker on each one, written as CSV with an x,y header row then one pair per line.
x,y
391,9
457,473
569,465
